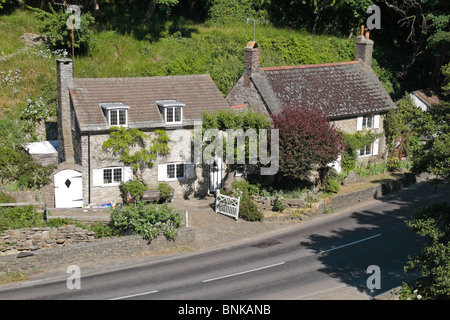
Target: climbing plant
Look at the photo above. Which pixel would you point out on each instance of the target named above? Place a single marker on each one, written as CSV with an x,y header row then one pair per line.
x,y
132,147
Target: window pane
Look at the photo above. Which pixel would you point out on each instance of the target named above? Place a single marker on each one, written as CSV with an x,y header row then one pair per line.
x,y
171,171
169,113
113,117
107,176
117,175
180,170
122,117
177,114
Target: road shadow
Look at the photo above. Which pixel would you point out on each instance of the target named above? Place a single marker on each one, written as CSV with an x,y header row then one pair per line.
x,y
378,237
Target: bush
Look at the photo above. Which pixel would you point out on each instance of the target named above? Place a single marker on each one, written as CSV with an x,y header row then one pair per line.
x,y
279,204
19,217
133,188
331,186
393,164
147,220
166,191
248,210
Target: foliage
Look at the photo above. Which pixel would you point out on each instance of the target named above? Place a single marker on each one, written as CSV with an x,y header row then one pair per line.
x,y
23,169
134,188
446,73
434,155
4,198
248,210
279,204
393,164
148,220
19,217
307,140
433,261
54,26
331,186
166,191
123,142
398,125
229,11
354,142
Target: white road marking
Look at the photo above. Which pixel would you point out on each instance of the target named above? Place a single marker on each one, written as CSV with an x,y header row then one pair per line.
x,y
243,272
135,295
351,243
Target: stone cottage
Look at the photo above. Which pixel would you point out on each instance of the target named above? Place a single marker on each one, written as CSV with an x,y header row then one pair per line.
x,y
348,92
87,108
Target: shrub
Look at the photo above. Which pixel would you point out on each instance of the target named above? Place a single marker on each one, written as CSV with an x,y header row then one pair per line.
x,y
393,164
19,217
331,186
166,191
248,210
134,188
279,204
307,139
147,220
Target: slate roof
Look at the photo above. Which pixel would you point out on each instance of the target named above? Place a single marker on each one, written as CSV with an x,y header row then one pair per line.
x,y
197,92
340,89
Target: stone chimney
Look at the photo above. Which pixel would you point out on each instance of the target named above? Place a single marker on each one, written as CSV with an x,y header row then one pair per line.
x,y
64,79
363,48
251,61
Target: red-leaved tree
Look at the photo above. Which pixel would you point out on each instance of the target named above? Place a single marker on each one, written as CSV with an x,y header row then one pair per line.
x,y
307,141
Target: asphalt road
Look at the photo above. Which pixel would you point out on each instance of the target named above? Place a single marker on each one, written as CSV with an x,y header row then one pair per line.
x,y
326,258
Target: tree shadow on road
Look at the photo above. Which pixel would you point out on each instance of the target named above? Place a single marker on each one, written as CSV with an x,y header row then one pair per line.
x,y
380,237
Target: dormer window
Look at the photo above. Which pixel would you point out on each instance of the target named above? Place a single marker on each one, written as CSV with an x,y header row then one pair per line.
x,y
116,113
171,110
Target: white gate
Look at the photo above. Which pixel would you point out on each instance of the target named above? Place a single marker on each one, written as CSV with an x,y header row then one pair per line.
x,y
227,205
68,189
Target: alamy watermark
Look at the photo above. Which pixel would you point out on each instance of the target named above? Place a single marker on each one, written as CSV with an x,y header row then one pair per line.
x,y
74,280
374,280
258,152
374,21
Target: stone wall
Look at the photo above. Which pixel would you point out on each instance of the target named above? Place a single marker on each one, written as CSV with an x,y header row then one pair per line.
x,y
23,240
91,252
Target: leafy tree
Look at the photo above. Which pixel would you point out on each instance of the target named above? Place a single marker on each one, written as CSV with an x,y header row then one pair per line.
x,y
131,146
307,141
165,4
54,26
401,140
446,73
354,142
433,261
428,30
434,155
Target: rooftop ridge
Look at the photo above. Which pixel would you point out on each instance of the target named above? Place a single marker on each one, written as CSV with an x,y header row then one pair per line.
x,y
306,66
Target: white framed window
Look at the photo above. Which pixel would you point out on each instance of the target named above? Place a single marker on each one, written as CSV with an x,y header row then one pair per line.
x,y
172,111
111,176
370,121
118,118
175,171
116,114
370,149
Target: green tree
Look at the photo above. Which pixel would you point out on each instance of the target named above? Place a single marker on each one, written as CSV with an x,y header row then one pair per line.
x,y
54,26
165,5
398,125
433,261
434,155
131,145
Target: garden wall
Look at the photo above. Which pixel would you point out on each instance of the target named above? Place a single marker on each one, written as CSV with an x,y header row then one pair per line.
x,y
91,252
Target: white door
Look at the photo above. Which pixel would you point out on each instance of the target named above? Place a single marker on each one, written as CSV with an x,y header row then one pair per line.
x,y
68,189
215,173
